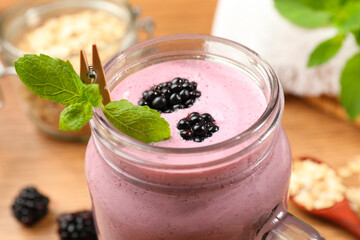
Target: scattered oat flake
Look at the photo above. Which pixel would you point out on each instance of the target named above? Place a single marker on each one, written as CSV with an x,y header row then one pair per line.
x,y
344,172
354,165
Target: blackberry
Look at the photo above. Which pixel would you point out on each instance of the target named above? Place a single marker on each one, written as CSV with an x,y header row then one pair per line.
x,y
30,206
169,96
197,127
76,226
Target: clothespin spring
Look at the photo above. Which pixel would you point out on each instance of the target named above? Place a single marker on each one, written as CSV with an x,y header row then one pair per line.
x,y
92,74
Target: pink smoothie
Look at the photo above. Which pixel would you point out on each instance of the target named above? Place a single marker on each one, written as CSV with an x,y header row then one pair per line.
x,y
229,201
233,99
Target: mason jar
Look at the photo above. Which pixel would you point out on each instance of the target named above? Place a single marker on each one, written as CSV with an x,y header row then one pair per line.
x,y
238,191
59,28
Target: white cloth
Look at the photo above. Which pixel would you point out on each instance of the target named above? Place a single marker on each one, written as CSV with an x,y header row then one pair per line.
x,y
287,47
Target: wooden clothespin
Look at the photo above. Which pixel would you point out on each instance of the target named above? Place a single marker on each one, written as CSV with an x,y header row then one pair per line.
x,y
94,73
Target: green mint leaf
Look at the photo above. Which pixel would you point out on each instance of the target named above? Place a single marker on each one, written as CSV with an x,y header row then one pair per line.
x,y
356,35
303,15
90,93
347,18
75,116
350,86
326,5
49,78
326,50
139,122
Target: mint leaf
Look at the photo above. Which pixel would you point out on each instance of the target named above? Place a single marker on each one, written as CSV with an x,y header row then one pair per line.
x,y
356,35
139,122
350,86
327,5
90,93
75,116
49,78
326,50
301,14
347,18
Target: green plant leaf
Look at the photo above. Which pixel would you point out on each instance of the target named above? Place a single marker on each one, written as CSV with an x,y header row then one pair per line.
x,y
49,78
75,116
301,14
326,50
326,5
139,122
350,86
90,93
347,18
356,35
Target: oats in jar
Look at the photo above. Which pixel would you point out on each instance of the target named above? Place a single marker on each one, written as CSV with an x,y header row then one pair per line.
x,y
62,36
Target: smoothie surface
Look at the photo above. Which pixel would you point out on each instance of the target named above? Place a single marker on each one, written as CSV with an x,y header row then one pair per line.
x,y
231,97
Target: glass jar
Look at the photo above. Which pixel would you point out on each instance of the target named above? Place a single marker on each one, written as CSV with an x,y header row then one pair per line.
x,y
239,192
60,28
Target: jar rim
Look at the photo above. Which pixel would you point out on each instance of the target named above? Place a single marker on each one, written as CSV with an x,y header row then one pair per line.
x,y
22,6
273,110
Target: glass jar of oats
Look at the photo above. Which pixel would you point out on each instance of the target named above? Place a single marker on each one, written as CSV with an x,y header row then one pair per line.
x,y
59,28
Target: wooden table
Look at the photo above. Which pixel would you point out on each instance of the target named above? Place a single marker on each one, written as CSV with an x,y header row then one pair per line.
x,y
27,157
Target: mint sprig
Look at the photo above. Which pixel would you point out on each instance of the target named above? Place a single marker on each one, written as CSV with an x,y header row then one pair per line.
x,y
56,80
344,15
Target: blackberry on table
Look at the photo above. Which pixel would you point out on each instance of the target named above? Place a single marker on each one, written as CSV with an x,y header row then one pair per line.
x,y
167,97
197,127
30,206
77,226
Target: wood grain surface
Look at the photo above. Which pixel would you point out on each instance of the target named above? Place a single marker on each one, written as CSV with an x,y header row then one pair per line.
x,y
27,157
